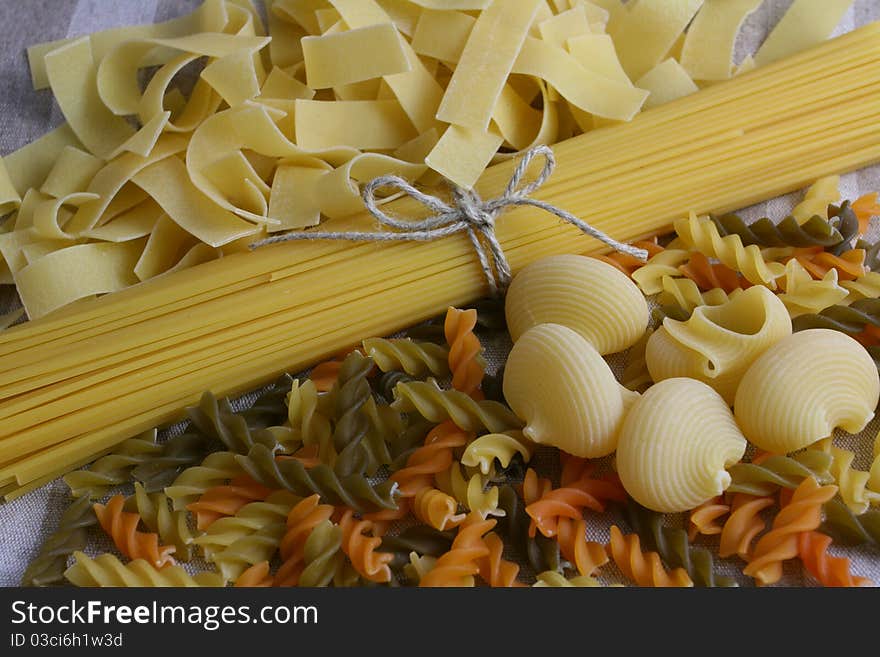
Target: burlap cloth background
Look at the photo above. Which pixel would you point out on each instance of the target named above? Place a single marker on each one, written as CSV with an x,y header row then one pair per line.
x,y
26,114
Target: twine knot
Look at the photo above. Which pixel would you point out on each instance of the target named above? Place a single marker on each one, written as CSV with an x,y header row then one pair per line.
x,y
468,213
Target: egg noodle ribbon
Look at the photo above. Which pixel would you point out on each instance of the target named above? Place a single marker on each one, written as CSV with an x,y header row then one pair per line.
x,y
467,212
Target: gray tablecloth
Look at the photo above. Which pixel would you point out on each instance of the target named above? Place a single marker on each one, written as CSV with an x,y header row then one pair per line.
x,y
26,114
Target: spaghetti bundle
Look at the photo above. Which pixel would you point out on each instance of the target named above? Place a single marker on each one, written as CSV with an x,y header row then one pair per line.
x,y
76,382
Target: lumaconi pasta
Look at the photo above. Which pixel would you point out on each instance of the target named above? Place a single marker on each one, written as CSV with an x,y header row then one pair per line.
x,y
675,444
584,294
805,386
718,343
564,390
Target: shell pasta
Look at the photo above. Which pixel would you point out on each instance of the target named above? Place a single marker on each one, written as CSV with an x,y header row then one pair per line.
x,y
805,386
584,294
718,343
560,385
675,444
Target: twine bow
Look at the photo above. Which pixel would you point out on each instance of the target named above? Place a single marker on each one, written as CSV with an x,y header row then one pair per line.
x,y
468,213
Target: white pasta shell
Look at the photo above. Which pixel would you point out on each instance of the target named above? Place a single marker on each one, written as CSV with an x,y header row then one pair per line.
x,y
585,294
675,444
803,387
718,343
557,383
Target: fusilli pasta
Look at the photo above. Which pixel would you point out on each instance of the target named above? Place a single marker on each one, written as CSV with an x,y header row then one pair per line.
x,y
107,570
121,526
803,513
645,569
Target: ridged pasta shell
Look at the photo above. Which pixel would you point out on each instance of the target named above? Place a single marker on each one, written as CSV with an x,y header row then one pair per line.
x,y
803,387
718,343
564,390
675,444
585,294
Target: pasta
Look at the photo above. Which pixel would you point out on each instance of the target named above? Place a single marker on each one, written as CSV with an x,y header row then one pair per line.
x,y
437,509
485,450
252,535
458,566
494,569
670,459
241,143
226,500
47,568
465,351
171,526
115,468
719,343
852,484
470,490
540,552
777,471
415,358
568,501
437,405
303,518
717,179
361,549
815,231
642,568
866,287
702,519
192,483
107,570
802,514
214,418
255,576
852,319
353,490
121,526
848,528
667,262
681,296
420,539
577,405
743,525
351,394
829,570
702,234
554,579
674,548
805,295
581,293
323,557
309,424
635,375
803,387
434,457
